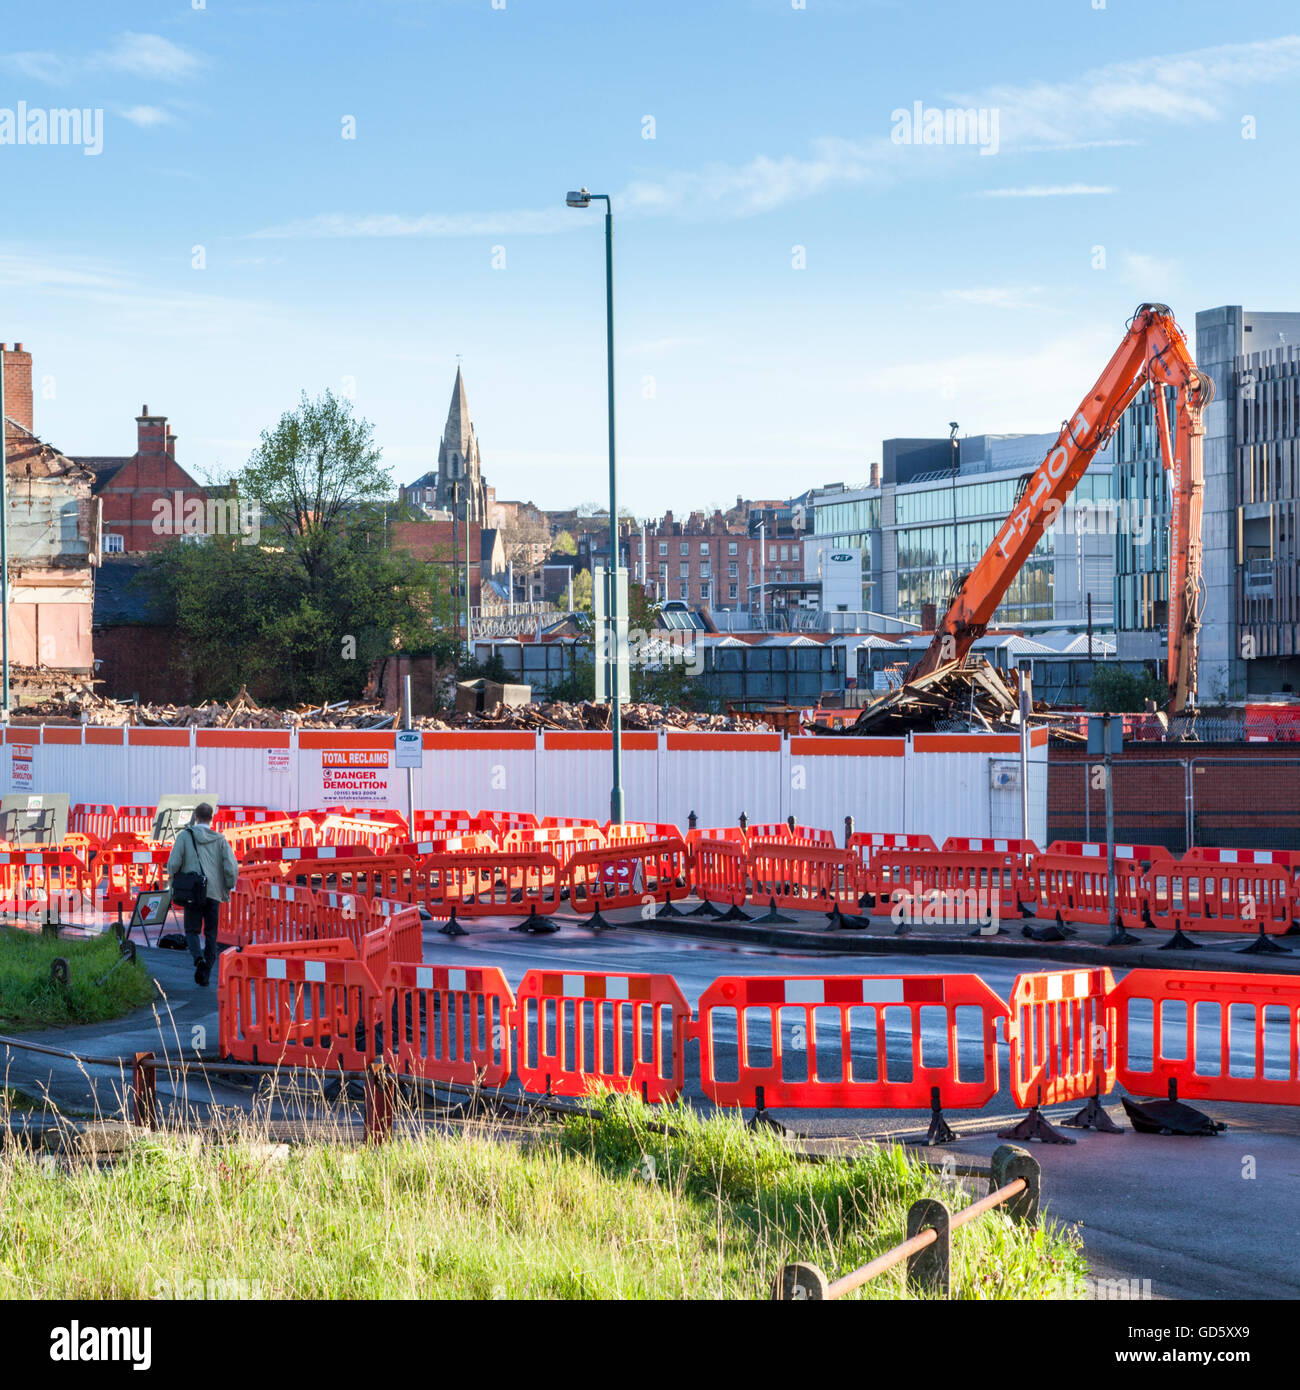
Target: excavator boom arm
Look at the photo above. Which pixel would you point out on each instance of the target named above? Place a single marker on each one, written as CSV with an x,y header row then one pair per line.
x,y
1155,351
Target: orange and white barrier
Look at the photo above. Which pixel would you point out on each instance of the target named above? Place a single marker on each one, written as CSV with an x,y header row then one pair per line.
x,y
1062,1037
444,1023
584,1032
814,1041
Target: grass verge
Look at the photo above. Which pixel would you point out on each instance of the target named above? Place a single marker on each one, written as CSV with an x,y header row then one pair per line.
x,y
101,985
600,1208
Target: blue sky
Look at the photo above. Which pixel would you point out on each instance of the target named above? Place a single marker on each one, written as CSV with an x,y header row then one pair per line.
x,y
939,282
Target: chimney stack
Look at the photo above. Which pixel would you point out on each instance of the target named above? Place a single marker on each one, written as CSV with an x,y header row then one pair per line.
x,y
151,432
18,387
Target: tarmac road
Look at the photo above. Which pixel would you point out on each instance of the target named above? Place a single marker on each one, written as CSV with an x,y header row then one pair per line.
x,y
1167,1217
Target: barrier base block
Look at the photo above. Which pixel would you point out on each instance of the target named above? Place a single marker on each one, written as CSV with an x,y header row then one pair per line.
x,y
760,1118
1035,1126
734,914
1169,1117
1179,941
534,923
1062,927
705,909
1263,946
940,1131
1093,1116
668,909
1120,937
451,927
773,918
837,920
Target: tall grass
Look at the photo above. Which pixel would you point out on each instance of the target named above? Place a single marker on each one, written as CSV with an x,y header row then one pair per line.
x,y
605,1207
101,985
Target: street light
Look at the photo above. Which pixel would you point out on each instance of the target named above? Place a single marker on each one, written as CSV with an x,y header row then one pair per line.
x,y
584,199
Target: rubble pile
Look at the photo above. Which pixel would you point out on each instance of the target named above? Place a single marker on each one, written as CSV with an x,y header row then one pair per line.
x,y
588,715
962,695
72,699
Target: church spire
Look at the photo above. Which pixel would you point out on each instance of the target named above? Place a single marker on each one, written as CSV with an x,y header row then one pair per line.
x,y
460,483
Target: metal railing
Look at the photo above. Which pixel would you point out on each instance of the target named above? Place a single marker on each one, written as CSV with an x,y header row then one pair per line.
x,y
1014,1183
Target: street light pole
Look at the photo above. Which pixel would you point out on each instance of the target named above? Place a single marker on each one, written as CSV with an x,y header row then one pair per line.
x,y
583,199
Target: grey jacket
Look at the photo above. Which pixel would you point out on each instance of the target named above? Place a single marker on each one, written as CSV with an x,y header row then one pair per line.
x,y
202,848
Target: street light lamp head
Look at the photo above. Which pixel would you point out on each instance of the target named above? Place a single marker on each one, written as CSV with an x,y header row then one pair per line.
x,y
580,199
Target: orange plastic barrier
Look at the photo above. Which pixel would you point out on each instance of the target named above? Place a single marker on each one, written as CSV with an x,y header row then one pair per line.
x,y
448,1024
628,875
262,835
98,821
963,844
495,884
783,832
289,853
137,819
568,823
45,878
377,836
918,878
819,1041
237,918
396,934
510,820
1215,1036
1062,1032
477,843
1219,897
563,842
718,870
300,1009
578,1032
873,847
806,877
1090,849
365,876
1076,888
638,830
121,873
716,832
244,815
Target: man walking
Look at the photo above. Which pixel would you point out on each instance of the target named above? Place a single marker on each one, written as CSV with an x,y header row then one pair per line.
x,y
200,849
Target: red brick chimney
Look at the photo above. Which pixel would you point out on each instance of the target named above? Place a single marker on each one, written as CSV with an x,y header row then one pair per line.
x,y
151,432
18,386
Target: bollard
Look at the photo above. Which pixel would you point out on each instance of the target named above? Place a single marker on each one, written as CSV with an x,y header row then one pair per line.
x,y
380,1095
930,1269
1010,1162
744,822
144,1095
848,831
791,822
692,820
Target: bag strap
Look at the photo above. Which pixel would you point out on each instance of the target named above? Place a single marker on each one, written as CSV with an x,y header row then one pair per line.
x,y
194,849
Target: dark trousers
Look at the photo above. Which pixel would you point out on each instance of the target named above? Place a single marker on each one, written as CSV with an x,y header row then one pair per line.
x,y
204,917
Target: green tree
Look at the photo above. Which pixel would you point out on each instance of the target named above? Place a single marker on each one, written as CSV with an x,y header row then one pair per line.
x,y
564,544
1114,690
310,473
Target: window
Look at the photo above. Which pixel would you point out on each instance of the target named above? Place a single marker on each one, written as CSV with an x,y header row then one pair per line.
x,y
771,554
733,569
704,547
785,552
794,552
732,548
684,548
684,571
684,591
706,569
113,544
663,547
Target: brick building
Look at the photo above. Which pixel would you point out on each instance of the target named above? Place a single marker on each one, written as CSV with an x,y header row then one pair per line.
x,y
53,536
129,487
710,561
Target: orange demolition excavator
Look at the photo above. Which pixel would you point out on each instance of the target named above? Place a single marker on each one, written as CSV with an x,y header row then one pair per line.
x,y
1155,351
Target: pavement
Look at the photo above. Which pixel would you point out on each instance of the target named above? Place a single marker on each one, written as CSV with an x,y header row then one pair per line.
x,y
1165,1217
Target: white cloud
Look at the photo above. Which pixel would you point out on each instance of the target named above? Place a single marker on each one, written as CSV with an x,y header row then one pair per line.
x,y
338,225
997,296
1049,190
149,55
139,55
1095,110
146,116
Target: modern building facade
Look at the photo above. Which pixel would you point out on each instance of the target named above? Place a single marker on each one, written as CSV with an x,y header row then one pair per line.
x,y
931,512
1250,628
